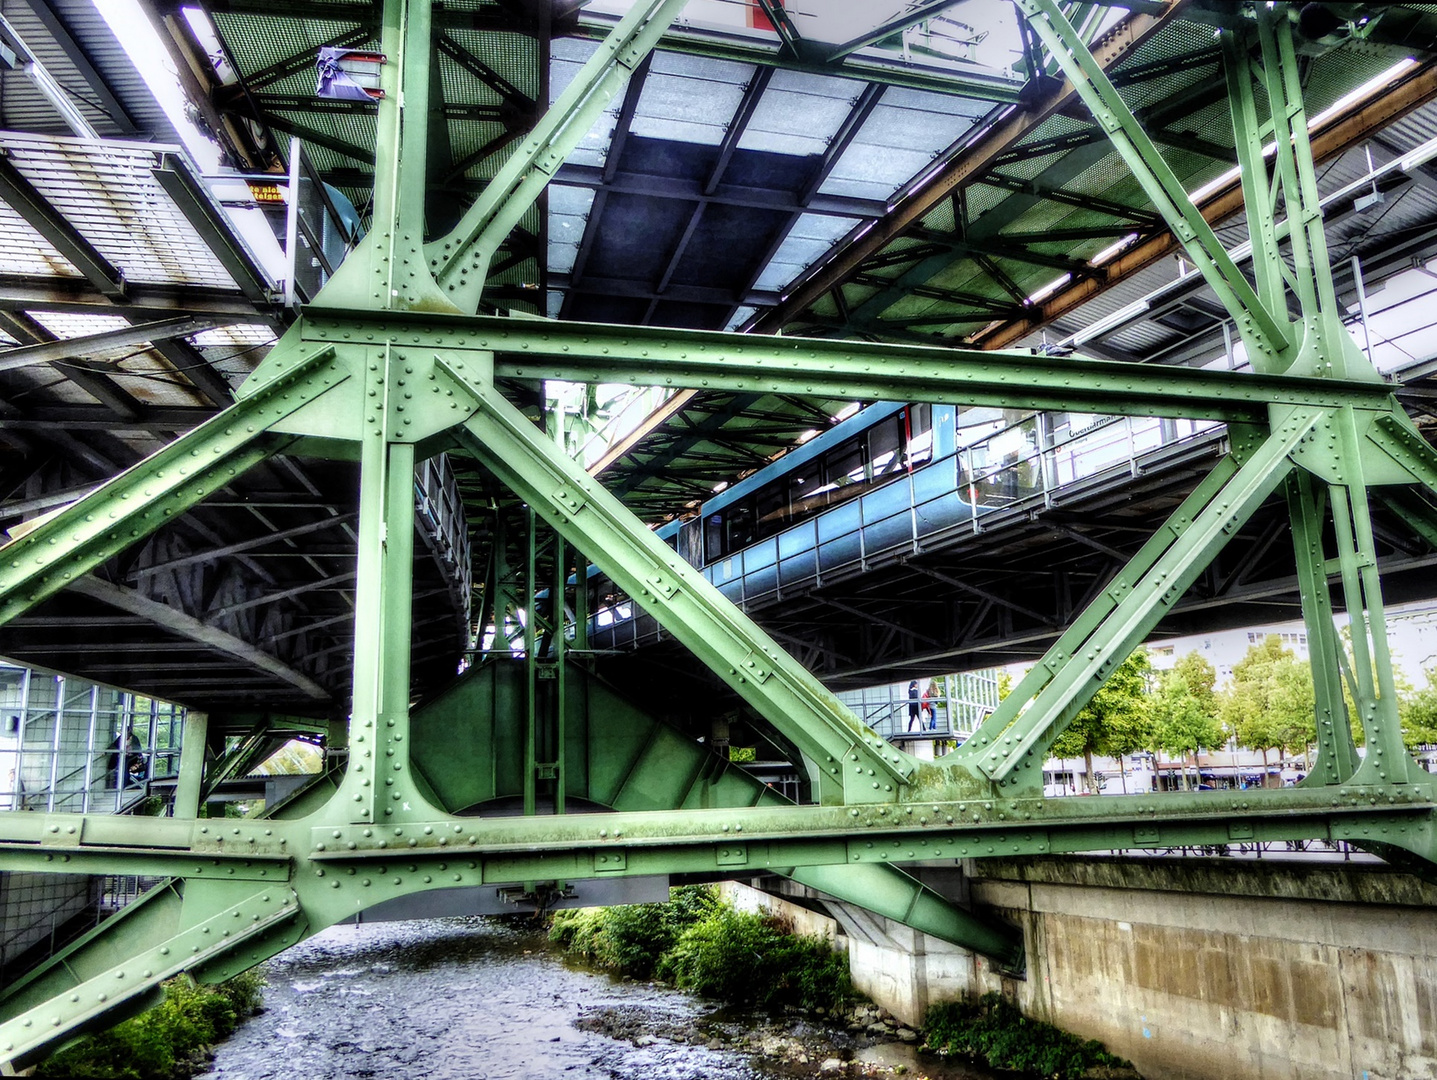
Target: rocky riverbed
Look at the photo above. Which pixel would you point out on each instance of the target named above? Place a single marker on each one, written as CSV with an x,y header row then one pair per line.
x,y
476,999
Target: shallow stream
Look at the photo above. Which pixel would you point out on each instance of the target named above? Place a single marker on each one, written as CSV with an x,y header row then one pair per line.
x,y
476,999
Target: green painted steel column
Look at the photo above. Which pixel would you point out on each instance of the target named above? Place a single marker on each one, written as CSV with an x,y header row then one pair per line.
x,y
1387,759
388,269
531,661
561,674
581,602
382,624
1257,199
1336,756
192,764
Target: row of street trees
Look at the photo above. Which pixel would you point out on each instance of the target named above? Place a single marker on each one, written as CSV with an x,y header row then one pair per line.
x,y
1267,706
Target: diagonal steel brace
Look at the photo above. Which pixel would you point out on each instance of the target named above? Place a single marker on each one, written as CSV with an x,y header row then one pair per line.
x,y
849,757
1259,327
1000,754
157,489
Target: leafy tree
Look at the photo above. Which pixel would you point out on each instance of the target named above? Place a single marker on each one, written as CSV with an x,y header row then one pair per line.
x,y
1185,719
1418,710
1269,703
1115,721
1200,677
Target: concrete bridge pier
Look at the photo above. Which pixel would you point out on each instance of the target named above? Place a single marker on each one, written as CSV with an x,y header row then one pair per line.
x,y
1194,969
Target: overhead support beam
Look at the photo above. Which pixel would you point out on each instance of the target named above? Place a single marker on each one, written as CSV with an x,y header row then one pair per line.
x,y
98,90
107,417
974,83
57,231
659,187
177,622
213,226
211,554
88,344
855,371
966,165
142,301
915,14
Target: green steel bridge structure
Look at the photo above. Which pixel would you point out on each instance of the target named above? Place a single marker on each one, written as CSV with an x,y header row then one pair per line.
x,y
390,364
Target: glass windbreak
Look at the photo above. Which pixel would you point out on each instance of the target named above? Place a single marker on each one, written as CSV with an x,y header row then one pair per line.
x,y
74,746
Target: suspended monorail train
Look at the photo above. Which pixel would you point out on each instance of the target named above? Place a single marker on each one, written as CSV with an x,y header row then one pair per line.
x,y
891,478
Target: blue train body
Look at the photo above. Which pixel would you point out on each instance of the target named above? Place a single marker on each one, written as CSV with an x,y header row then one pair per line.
x,y
871,483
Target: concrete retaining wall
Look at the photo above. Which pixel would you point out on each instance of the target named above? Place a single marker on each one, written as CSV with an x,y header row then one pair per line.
x,y
1197,969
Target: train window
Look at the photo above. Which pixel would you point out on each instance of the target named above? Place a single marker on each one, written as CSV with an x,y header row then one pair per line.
x,y
920,434
741,531
772,505
713,537
843,468
804,495
884,446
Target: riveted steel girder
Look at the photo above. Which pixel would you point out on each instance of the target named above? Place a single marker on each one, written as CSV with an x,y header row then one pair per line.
x,y
389,368
594,352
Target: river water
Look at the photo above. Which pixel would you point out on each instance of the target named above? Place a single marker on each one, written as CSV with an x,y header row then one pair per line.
x,y
476,999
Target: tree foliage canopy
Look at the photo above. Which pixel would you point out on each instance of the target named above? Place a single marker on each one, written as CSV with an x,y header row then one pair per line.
x,y
1117,719
1184,709
1269,702
1418,710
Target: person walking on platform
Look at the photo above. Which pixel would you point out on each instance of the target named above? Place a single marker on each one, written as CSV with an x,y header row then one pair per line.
x,y
930,704
914,704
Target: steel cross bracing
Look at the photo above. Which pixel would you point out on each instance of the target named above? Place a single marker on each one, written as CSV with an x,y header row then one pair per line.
x,y
391,366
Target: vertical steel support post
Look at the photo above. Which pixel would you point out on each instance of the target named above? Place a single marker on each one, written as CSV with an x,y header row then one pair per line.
x,y
1336,755
1256,187
192,764
59,712
561,677
382,618
1312,271
1375,684
90,747
531,661
581,602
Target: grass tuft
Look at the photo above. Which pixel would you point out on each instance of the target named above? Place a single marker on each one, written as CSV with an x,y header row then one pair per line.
x,y
993,1031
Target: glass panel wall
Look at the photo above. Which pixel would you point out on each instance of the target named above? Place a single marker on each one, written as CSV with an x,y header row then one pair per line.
x,y
74,746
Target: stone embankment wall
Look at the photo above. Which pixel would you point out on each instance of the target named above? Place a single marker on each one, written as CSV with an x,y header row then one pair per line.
x,y
1195,969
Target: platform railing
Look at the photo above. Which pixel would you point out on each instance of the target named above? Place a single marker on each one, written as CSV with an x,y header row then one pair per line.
x,y
440,511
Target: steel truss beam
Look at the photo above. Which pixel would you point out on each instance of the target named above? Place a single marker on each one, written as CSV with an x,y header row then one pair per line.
x,y
592,352
390,369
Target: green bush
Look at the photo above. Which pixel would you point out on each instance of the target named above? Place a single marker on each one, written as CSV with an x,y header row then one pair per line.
x,y
630,940
994,1031
701,944
169,1042
737,956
